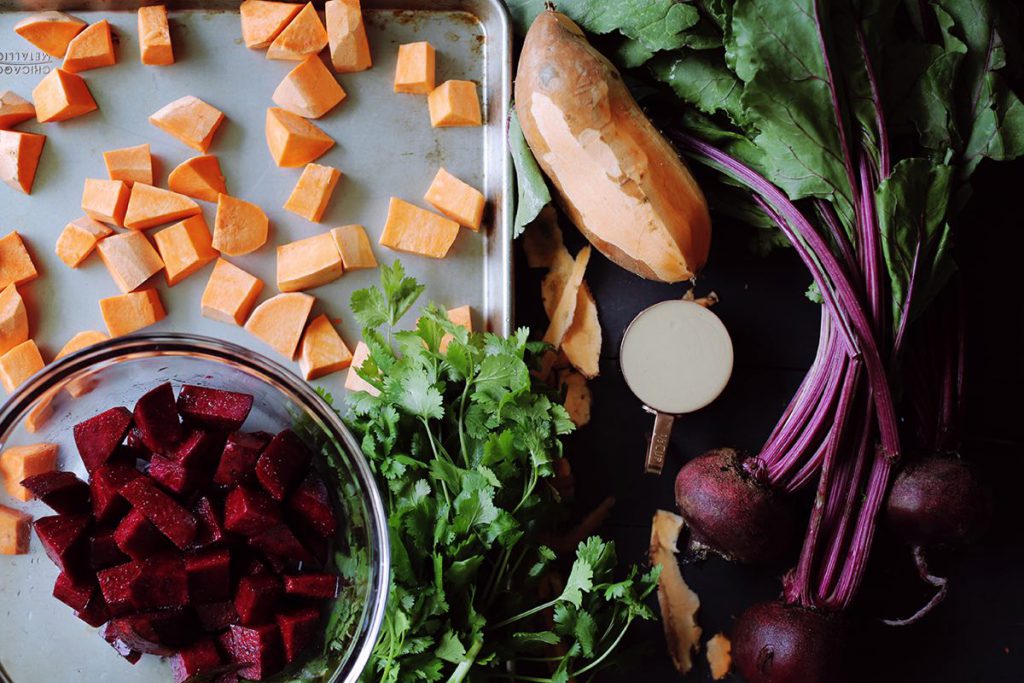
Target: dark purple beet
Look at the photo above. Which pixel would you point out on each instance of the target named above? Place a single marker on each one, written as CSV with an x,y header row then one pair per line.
x,y
732,513
777,643
938,500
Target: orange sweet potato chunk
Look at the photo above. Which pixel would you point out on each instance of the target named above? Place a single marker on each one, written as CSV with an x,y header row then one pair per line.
x,y
127,313
78,239
454,103
414,71
51,32
105,200
185,247
20,363
463,316
16,266
80,341
14,109
62,95
354,247
150,206
15,531
280,320
240,227
262,21
304,35
308,263
191,120
18,463
456,199
293,141
130,258
346,32
19,158
353,382
313,191
93,48
230,293
418,231
13,319
130,164
309,90
155,48
199,177
322,350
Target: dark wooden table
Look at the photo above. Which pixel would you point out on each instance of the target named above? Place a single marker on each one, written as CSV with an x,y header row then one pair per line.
x,y
978,634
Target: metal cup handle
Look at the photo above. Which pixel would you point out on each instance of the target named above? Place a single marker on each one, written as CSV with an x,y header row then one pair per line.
x,y
655,460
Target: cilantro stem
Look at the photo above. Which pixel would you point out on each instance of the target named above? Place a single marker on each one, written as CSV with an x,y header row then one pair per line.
x,y
523,615
604,655
467,662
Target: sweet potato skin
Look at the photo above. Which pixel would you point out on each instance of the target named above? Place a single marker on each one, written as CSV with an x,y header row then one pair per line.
x,y
618,179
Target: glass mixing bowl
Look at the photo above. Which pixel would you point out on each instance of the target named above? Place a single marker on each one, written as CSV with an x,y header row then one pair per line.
x,y
41,640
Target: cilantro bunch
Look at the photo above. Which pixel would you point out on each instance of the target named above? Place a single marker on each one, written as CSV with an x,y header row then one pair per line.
x,y
463,442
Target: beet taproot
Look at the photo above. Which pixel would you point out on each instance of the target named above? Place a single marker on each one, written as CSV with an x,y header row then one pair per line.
x,y
777,643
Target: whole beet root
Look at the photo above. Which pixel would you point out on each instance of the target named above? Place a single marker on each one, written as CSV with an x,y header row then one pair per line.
x,y
777,643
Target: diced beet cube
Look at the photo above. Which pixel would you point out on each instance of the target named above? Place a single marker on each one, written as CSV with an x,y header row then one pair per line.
x,y
133,444
174,476
198,450
64,539
103,551
283,464
195,661
155,633
138,538
238,460
317,545
216,408
171,519
117,585
249,512
210,530
257,598
62,491
209,576
96,613
279,541
298,628
110,635
216,616
161,583
157,419
98,436
105,486
257,648
75,596
281,565
320,586
311,503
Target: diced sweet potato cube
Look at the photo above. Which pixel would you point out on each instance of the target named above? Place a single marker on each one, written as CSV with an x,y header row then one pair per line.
x,y
106,200
18,463
218,409
308,263
196,662
155,47
14,109
456,199
354,247
150,206
322,350
79,238
129,313
309,90
191,120
130,258
280,320
293,141
454,103
199,177
230,293
13,319
262,21
240,227
298,628
304,35
64,539
14,531
418,231
16,266
414,71
171,519
463,315
50,31
65,493
130,164
62,95
346,32
93,48
98,437
19,158
185,248
353,382
313,191
20,363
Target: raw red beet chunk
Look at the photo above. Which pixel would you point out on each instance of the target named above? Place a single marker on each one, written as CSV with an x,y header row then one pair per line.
x,y
279,542
122,648
210,530
257,648
238,461
157,419
162,582
323,586
105,487
174,521
64,540
137,538
75,596
311,503
257,598
283,464
298,628
98,436
117,585
209,576
215,408
96,613
198,450
156,633
65,493
216,615
195,661
103,551
174,476
249,512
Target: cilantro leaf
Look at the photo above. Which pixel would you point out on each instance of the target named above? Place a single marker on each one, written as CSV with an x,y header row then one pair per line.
x,y
531,188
